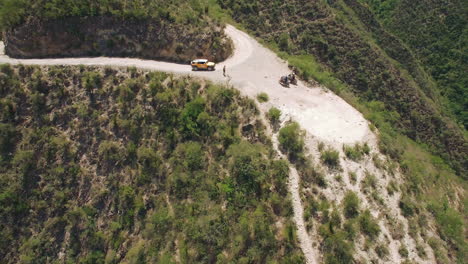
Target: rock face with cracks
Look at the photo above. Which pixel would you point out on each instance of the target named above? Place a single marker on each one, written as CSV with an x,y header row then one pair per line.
x,y
112,36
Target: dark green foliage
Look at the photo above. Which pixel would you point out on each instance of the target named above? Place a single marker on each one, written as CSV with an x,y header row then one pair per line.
x,y
338,250
438,38
451,227
343,46
110,152
403,251
128,168
382,251
150,164
247,166
369,225
291,138
356,152
274,114
351,205
190,117
191,155
331,158
14,12
407,206
8,136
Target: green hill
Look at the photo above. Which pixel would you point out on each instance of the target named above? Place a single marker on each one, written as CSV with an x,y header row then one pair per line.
x,y
103,165
400,75
346,40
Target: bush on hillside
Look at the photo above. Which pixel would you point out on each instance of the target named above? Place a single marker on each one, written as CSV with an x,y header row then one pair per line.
x,y
369,225
263,97
351,205
331,158
274,115
357,151
291,138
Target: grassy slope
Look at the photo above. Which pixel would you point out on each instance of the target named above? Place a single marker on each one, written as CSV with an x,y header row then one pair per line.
x,y
99,164
436,32
344,48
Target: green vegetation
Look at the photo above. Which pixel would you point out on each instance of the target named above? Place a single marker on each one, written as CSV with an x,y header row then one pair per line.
x,y
351,205
403,251
338,245
291,139
136,167
274,115
437,38
382,251
263,97
13,12
331,158
341,45
356,152
369,225
352,177
149,29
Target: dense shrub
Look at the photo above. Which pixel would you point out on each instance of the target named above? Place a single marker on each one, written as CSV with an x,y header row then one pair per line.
x,y
128,169
356,152
262,97
337,249
331,158
291,138
8,134
274,115
351,205
369,225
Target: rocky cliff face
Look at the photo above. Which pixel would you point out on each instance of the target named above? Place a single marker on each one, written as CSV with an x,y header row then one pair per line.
x,y
109,36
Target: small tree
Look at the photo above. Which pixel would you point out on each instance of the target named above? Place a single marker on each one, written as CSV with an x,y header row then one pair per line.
x,y
331,158
274,115
291,138
283,42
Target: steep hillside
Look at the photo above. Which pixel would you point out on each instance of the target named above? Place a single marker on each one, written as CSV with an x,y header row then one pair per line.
x,y
173,31
342,45
342,41
437,34
103,165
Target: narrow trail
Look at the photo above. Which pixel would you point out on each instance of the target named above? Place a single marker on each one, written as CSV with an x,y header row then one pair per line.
x,y
311,255
254,69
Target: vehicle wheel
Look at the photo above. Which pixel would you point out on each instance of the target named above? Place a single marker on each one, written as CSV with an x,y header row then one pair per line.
x,y
194,68
210,68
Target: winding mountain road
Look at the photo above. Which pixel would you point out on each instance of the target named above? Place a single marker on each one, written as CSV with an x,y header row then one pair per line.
x,y
254,69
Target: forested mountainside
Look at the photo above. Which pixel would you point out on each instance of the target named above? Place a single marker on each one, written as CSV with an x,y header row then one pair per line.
x,y
174,31
101,165
437,34
105,165
346,40
405,87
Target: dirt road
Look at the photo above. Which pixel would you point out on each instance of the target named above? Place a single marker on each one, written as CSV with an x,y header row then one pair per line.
x,y
254,69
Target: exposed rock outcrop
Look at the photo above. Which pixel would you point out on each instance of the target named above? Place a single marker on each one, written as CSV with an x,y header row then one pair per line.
x,y
112,36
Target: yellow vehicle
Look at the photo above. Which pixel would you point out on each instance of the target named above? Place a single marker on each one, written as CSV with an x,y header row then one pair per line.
x,y
202,64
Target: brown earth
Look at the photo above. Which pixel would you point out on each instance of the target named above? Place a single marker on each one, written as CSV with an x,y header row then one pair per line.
x,y
111,36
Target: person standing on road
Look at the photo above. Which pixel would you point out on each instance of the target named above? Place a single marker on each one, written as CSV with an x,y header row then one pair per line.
x,y
224,70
